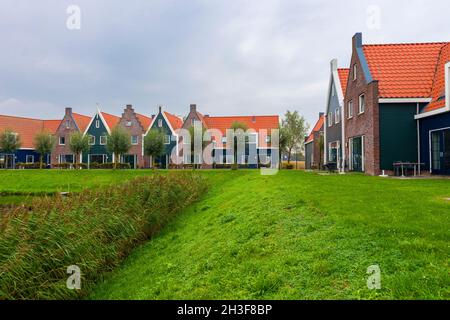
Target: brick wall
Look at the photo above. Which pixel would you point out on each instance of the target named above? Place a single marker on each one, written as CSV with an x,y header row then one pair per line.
x,y
66,128
131,124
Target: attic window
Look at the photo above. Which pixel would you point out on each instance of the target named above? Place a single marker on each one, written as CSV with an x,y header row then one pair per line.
x,y
67,124
355,71
128,123
333,91
97,124
159,123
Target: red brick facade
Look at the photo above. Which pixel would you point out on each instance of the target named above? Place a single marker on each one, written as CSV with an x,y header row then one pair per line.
x,y
67,127
364,124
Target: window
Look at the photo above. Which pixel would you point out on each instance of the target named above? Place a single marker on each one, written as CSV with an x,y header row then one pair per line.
x,y
333,91
337,116
128,124
362,103
134,140
103,140
91,140
224,139
252,138
355,70
330,119
350,109
159,123
268,139
62,141
67,124
97,124
30,158
167,139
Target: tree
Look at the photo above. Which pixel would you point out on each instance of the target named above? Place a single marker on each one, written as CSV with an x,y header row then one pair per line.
x,y
294,130
118,143
9,143
154,144
43,144
239,133
78,144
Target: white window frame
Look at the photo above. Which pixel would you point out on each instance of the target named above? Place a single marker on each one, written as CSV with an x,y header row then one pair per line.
x,y
91,140
333,91
32,158
337,116
128,124
350,109
67,124
361,98
160,123
97,124
137,140
330,119
167,139
59,141
355,71
105,138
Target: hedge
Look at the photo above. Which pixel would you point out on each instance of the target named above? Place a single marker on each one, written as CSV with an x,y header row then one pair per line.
x,y
94,230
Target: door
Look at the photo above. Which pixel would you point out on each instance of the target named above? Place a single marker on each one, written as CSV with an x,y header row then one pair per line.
x,y
131,159
97,158
357,154
440,152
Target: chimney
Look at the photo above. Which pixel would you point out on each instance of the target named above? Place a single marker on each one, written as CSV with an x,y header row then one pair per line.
x,y
334,65
193,107
357,40
160,109
68,111
206,115
129,107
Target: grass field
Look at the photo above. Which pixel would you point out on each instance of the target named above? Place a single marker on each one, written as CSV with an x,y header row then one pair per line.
x,y
294,235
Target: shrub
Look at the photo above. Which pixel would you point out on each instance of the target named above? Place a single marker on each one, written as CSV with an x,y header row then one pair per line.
x,y
94,230
23,165
289,166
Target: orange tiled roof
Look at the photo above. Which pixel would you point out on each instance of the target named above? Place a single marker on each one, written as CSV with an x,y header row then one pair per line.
x,y
175,121
111,120
144,120
403,70
253,122
438,89
27,128
343,77
81,120
317,128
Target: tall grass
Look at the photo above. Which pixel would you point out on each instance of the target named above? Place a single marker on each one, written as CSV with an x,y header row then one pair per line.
x,y
95,230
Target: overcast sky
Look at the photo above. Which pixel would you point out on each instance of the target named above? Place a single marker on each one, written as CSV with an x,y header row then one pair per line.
x,y
229,57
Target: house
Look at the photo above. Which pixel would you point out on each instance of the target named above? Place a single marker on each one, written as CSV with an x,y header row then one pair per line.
x,y
334,134
72,122
26,128
98,131
169,124
137,126
388,84
314,151
433,120
258,147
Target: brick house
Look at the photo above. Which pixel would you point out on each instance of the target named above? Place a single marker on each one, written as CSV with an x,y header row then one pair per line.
x,y
387,85
136,125
72,122
314,151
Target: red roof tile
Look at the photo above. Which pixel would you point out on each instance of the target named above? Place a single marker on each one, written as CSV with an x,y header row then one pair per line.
x,y
81,120
144,120
403,70
438,90
27,128
318,127
175,121
256,123
343,78
111,120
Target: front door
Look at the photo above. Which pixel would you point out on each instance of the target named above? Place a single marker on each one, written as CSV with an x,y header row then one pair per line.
x,y
131,159
97,158
440,152
356,153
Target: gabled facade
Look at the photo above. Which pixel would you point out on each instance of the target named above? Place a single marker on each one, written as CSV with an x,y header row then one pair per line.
x,y
27,129
136,125
98,131
314,151
169,124
387,85
333,123
72,122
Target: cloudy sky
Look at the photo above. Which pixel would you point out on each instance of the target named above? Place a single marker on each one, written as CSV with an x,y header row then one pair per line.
x,y
229,57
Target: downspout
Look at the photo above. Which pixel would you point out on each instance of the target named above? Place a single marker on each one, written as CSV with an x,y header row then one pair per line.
x,y
325,121
342,171
418,138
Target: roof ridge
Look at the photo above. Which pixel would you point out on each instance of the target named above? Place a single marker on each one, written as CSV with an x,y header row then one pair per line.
x,y
443,43
18,117
242,116
109,114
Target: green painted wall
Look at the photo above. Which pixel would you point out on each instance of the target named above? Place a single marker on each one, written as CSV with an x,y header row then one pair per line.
x,y
398,134
97,148
166,129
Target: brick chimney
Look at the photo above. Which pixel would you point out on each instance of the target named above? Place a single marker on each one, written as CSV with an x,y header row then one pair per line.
x,y
68,111
129,107
160,109
193,107
357,40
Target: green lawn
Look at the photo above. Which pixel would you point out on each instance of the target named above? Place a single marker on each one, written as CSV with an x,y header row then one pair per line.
x,y
294,235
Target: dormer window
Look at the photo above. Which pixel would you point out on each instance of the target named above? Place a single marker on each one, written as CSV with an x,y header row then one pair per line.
x,y
355,70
